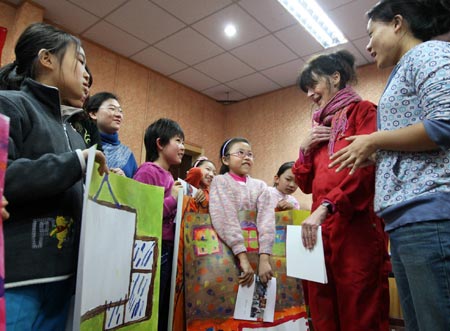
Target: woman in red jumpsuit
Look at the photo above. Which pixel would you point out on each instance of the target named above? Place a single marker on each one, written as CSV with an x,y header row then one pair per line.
x,y
356,297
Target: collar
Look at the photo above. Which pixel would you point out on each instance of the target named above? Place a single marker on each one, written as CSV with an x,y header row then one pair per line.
x,y
112,139
47,95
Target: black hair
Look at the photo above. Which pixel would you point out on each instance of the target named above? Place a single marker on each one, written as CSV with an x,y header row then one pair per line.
x,y
225,149
95,101
426,18
91,79
285,166
326,65
164,129
35,37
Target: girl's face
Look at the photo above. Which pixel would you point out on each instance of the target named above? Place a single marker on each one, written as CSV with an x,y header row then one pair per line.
x,y
71,76
384,43
239,159
325,88
285,183
109,116
173,152
208,171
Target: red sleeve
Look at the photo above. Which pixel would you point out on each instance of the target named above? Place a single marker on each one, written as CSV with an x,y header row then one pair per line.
x,y
194,177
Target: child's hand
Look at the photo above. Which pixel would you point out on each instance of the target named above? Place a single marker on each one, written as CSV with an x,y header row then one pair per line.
x,y
284,205
117,171
199,196
5,214
175,188
265,269
247,274
100,158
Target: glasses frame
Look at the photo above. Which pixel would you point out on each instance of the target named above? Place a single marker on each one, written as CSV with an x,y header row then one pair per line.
x,y
111,110
242,154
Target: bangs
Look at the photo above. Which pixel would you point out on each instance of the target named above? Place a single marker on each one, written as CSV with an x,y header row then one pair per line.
x,y
306,79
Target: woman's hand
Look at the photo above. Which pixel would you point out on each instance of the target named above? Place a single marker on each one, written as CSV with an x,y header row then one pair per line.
x,y
317,135
117,171
359,153
247,273
199,196
284,205
5,214
310,226
265,272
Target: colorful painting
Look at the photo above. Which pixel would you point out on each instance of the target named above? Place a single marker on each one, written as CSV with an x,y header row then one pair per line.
x,y
211,277
118,277
4,134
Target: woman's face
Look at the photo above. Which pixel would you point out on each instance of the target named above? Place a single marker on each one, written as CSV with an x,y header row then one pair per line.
x,y
324,89
285,183
384,43
208,171
109,116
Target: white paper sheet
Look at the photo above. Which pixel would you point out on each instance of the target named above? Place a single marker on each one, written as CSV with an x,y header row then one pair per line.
x,y
188,189
301,262
256,302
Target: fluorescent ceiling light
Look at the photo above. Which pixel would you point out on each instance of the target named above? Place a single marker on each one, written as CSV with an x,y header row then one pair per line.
x,y
315,21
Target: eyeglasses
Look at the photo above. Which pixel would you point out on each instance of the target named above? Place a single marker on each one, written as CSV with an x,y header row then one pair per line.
x,y
242,154
113,109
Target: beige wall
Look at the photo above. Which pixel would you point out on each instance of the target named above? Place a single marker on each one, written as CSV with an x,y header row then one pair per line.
x,y
274,123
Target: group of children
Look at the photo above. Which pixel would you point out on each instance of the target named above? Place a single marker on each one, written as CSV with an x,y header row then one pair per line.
x,y
47,154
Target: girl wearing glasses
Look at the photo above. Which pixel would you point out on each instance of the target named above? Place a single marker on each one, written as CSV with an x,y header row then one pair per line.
x,y
236,200
105,110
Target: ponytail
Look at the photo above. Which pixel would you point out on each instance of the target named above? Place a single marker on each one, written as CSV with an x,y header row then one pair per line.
x,y
9,79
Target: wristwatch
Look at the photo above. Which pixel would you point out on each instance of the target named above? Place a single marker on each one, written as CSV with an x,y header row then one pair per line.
x,y
328,205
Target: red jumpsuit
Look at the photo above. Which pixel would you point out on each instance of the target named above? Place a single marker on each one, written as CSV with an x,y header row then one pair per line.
x,y
356,297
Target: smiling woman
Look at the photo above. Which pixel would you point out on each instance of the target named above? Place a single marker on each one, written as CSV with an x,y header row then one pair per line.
x,y
354,242
105,110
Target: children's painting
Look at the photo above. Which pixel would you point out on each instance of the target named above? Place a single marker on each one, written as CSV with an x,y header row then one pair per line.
x,y
211,277
4,134
118,268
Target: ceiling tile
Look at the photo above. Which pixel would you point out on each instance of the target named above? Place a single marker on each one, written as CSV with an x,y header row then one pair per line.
x,y
194,79
351,18
331,4
224,93
270,13
190,11
99,7
285,74
224,67
359,58
115,39
145,20
189,46
300,41
66,14
159,61
247,28
274,53
361,44
253,85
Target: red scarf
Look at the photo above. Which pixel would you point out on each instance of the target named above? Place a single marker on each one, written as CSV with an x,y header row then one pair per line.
x,y
325,116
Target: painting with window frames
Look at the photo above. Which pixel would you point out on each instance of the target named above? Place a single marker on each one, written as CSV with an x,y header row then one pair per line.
x,y
118,269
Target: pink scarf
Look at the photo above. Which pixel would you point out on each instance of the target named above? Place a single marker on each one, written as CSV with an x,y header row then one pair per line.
x,y
326,115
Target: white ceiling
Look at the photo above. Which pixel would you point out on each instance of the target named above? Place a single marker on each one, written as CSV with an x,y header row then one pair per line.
x,y
184,39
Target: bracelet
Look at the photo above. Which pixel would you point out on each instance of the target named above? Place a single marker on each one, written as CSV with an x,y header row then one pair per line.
x,y
328,205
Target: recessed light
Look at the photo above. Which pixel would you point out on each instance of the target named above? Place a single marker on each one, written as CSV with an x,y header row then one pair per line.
x,y
230,30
